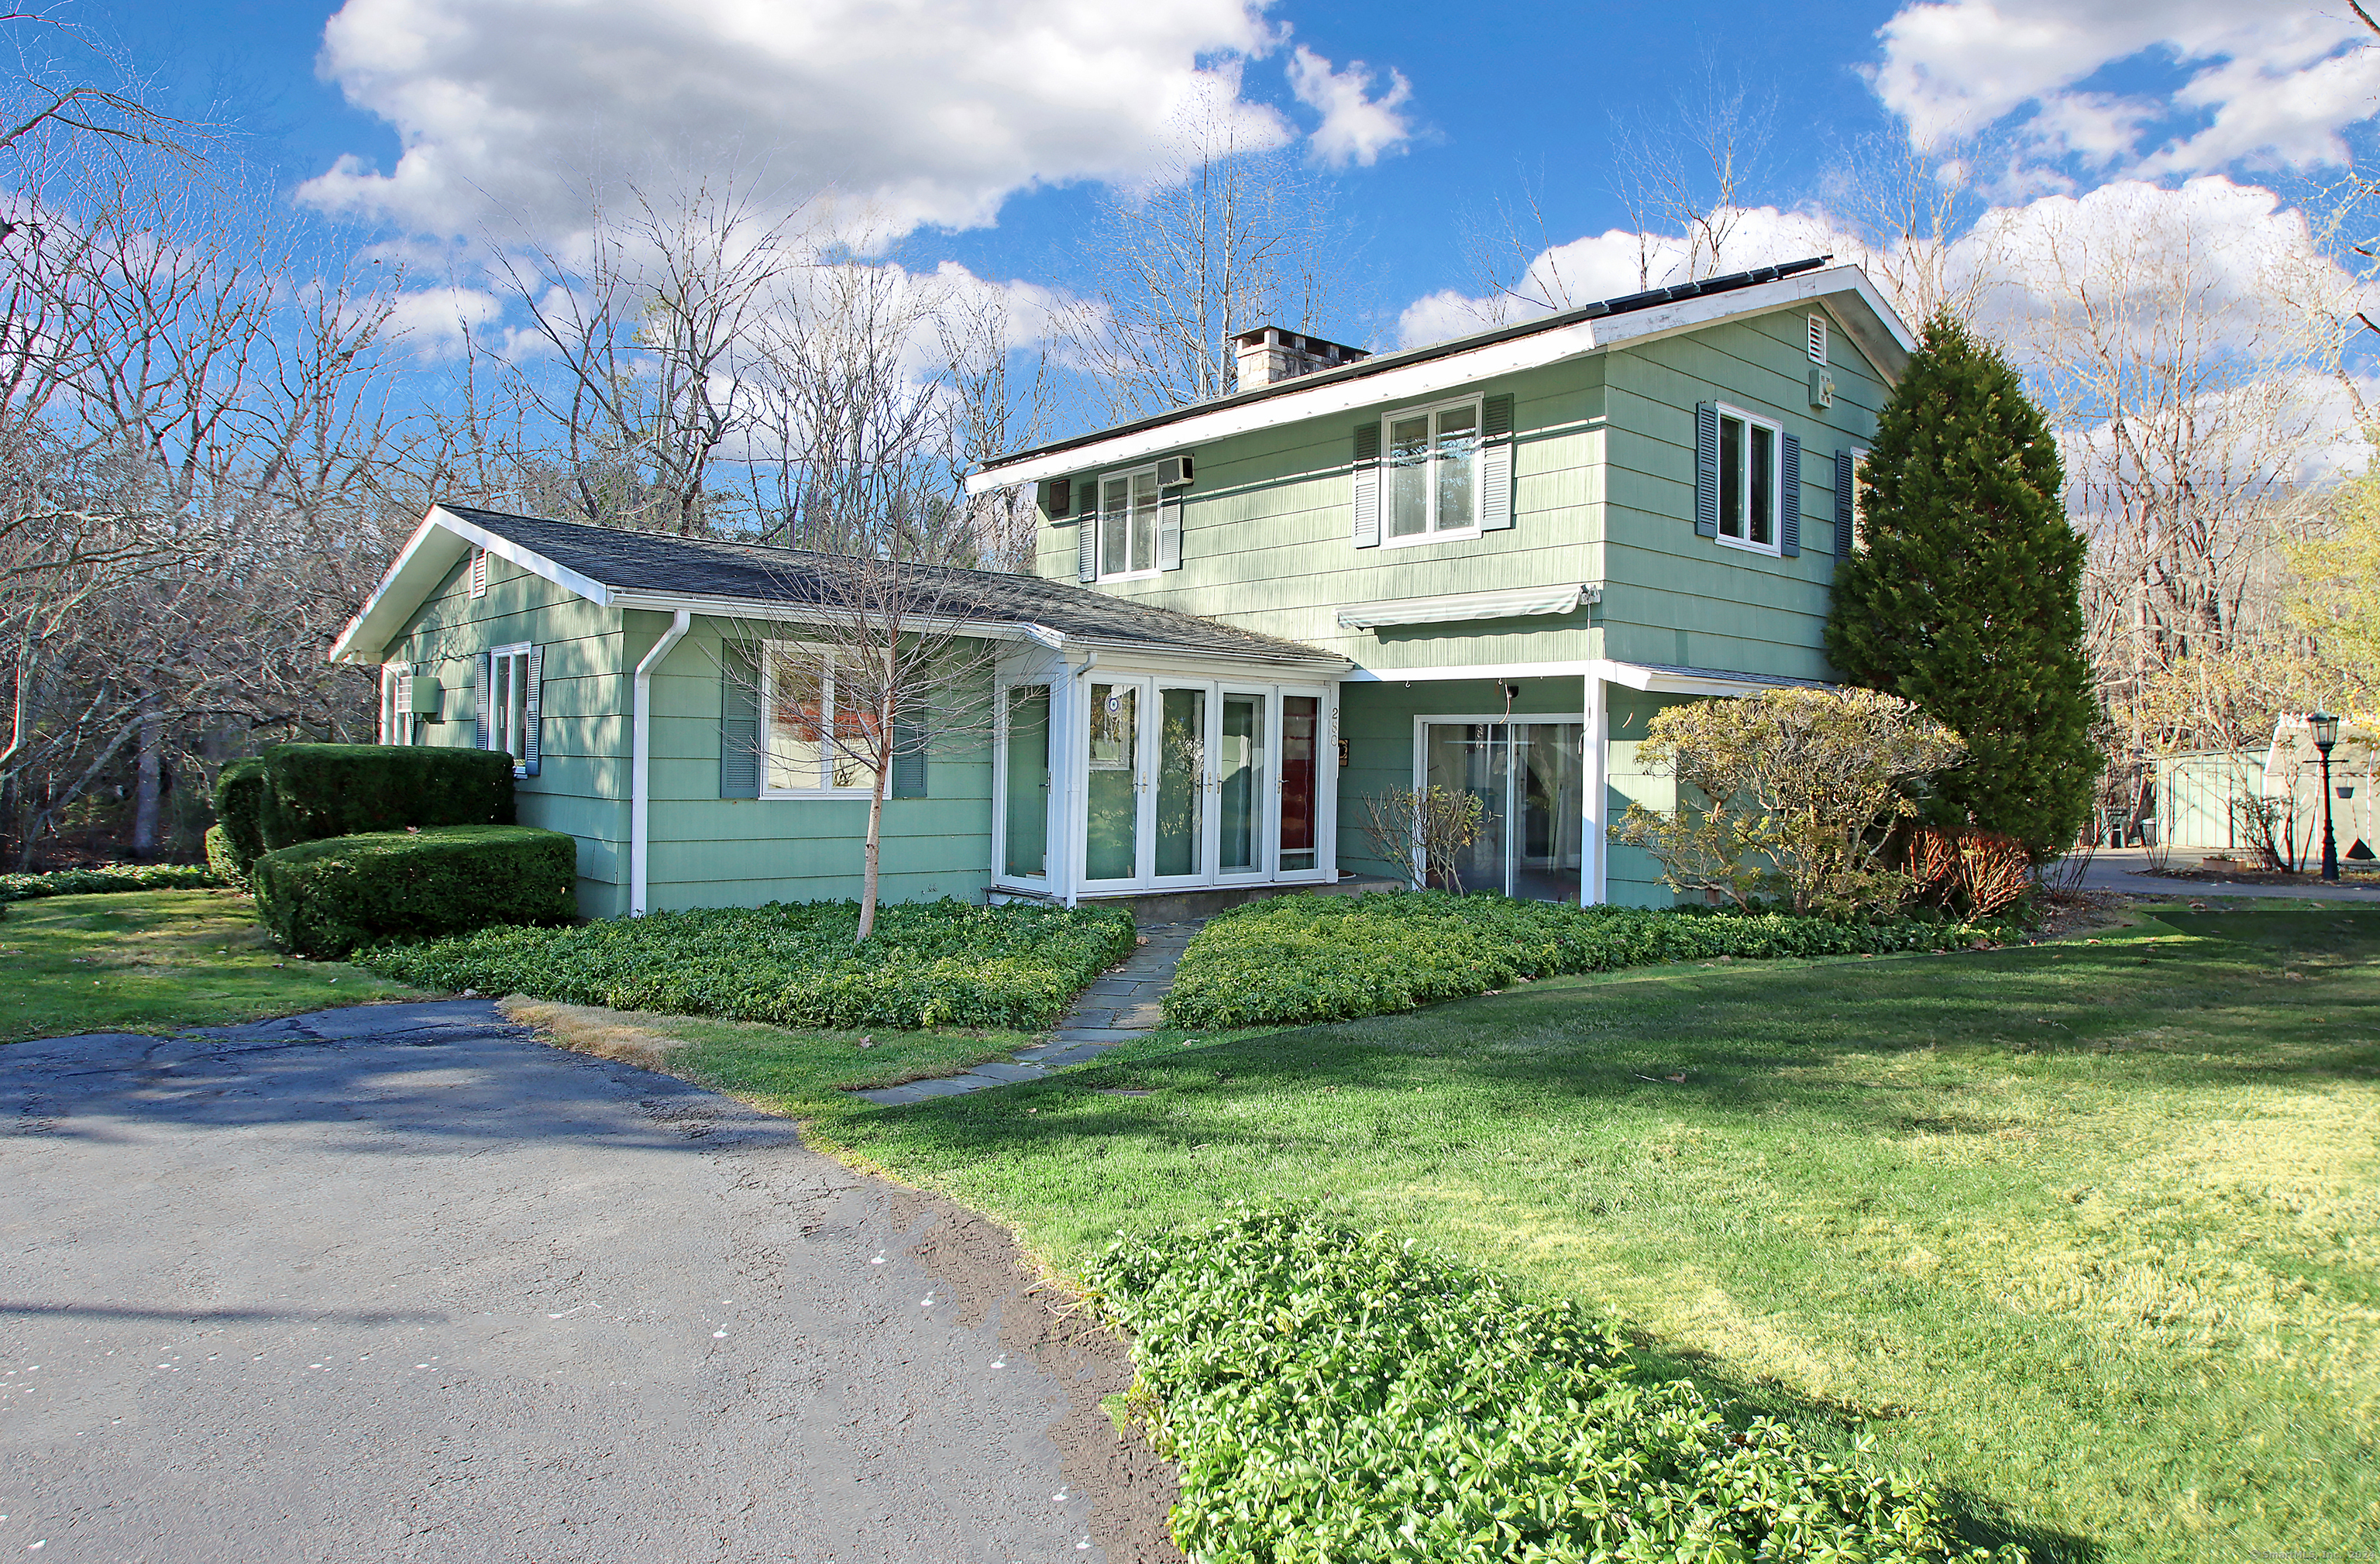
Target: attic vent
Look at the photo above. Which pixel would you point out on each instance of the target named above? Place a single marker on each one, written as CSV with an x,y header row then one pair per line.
x,y
1269,355
1172,472
1817,339
478,573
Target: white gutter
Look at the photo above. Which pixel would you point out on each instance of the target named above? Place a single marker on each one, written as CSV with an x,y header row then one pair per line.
x,y
640,765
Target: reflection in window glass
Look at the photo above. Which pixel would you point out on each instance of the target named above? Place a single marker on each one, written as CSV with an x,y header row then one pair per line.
x,y
1458,445
1730,478
1762,522
1408,478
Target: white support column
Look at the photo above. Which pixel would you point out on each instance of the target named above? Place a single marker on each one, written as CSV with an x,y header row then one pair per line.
x,y
1595,789
1070,777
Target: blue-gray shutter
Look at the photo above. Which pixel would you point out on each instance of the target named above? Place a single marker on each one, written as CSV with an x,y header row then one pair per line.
x,y
530,721
1087,537
739,722
480,674
1706,469
908,758
1496,464
1368,486
1789,521
1846,472
1169,531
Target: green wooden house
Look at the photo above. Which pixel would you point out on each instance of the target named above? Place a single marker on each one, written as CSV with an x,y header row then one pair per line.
x,y
1485,562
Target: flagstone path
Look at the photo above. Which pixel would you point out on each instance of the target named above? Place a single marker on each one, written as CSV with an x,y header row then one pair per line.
x,y
1122,1004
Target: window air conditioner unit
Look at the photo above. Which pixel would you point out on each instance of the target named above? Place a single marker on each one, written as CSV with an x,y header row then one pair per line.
x,y
1173,472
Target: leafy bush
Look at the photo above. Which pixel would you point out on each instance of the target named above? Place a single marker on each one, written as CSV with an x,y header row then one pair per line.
x,y
223,859
1299,959
107,878
239,813
317,790
325,899
1335,1396
943,964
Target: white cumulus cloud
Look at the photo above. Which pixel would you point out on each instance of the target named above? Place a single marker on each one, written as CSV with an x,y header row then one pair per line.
x,y
926,111
2274,81
1357,127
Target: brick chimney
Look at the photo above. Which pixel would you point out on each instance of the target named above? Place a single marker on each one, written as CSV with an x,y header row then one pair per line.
x,y
1269,355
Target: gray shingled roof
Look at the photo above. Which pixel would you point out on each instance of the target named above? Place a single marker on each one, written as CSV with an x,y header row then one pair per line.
x,y
651,562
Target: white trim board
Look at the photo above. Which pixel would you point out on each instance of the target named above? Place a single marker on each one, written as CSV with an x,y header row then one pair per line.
x,y
1628,675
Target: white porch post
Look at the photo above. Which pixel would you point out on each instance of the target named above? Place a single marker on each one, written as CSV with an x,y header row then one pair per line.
x,y
1069,776
1593,882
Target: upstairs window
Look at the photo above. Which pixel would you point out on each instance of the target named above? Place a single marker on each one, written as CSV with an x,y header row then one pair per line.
x,y
1747,480
1433,473
1128,506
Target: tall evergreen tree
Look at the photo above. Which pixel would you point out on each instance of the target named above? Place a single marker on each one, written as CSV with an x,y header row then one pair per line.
x,y
1964,594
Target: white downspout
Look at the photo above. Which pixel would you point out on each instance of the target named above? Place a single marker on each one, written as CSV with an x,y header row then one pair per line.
x,y
641,764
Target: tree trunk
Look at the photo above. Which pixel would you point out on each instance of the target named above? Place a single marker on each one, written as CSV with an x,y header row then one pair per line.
x,y
873,851
148,798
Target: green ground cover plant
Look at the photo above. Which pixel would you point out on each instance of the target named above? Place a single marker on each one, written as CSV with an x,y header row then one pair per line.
x,y
1298,959
942,963
101,878
2081,1232
328,898
1335,1396
156,961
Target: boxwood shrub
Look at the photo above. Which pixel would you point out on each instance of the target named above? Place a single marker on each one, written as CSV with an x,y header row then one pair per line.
x,y
942,963
224,860
239,813
103,878
326,899
1299,959
1335,1396
315,790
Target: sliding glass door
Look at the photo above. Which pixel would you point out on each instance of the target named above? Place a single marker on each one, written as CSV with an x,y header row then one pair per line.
x,y
1528,779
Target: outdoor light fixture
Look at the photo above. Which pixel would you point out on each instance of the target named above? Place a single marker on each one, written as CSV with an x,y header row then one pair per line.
x,y
2325,728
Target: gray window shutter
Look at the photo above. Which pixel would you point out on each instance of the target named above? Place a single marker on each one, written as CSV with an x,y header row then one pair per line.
x,y
739,722
1845,472
1062,492
908,758
480,673
1368,486
1087,541
1496,464
530,747
1789,514
1169,532
1706,469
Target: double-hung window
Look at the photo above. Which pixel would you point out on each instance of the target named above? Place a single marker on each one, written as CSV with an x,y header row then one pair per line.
x,y
1433,477
816,739
508,706
1749,451
1128,506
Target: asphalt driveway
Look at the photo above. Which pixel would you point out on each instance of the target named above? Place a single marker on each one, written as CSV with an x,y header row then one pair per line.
x,y
398,1282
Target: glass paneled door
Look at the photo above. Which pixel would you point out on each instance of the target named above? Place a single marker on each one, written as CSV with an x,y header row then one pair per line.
x,y
1528,779
1241,784
1183,796
1111,833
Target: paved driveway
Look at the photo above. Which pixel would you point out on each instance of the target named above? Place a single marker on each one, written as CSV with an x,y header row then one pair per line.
x,y
399,1283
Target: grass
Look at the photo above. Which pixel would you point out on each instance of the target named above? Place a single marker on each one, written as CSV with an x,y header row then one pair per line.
x,y
2089,1233
155,961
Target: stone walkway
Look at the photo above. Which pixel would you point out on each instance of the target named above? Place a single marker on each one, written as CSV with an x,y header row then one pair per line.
x,y
1122,1005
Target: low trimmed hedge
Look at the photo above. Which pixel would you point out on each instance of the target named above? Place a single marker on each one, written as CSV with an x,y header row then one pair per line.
x,y
223,859
941,964
313,791
104,878
327,899
1333,1396
1295,960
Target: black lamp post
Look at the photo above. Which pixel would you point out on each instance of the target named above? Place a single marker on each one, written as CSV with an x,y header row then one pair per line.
x,y
2325,728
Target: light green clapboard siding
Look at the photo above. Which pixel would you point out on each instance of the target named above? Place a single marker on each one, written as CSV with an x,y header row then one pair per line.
x,y
580,787
706,851
1604,493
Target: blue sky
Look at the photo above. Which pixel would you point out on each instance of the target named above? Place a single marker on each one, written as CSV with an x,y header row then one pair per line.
x,y
983,129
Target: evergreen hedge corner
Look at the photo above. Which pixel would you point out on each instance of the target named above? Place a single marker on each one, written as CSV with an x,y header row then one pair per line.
x,y
314,791
326,899
1964,592
224,858
239,813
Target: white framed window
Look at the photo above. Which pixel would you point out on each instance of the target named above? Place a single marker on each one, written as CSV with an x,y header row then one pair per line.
x,y
1433,473
1127,520
396,703
1817,339
1859,503
509,713
1750,452
813,738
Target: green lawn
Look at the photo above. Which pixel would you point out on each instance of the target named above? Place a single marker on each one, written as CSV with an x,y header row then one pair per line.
x,y
155,961
2090,1233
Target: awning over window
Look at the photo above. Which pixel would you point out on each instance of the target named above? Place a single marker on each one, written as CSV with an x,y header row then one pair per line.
x,y
1454,607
